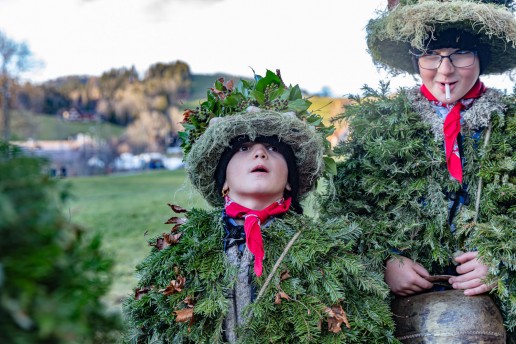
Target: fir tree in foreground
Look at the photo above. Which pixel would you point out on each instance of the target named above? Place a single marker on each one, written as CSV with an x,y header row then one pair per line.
x,y
52,275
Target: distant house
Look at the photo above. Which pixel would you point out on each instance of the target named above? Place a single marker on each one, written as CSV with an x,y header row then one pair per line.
x,y
69,155
75,115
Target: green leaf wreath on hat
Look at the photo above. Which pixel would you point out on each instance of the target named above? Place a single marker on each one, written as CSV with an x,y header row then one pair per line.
x,y
394,180
198,286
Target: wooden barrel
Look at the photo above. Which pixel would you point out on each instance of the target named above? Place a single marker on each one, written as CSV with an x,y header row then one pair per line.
x,y
448,317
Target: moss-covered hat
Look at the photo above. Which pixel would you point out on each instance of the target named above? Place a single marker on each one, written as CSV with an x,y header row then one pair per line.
x,y
411,25
261,108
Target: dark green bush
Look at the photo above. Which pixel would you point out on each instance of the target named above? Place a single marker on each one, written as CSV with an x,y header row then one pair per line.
x,y
52,274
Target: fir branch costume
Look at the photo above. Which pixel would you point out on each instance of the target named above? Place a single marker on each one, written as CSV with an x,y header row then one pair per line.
x,y
323,272
394,181
313,289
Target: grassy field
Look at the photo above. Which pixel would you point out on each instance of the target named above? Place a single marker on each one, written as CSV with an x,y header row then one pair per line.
x,y
123,208
26,124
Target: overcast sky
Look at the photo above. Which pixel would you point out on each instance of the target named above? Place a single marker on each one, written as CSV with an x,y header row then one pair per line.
x,y
314,43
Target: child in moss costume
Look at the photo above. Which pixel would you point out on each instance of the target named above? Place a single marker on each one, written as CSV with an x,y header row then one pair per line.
x,y
430,172
255,270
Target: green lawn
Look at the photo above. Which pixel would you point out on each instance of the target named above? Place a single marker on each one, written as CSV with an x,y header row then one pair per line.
x,y
125,207
26,124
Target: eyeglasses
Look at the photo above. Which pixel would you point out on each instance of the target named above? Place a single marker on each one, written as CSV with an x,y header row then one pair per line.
x,y
459,59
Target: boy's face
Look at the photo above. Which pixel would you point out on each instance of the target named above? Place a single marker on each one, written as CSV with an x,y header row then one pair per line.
x,y
256,175
460,79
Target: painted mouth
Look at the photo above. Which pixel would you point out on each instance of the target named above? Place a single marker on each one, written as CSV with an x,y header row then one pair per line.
x,y
260,168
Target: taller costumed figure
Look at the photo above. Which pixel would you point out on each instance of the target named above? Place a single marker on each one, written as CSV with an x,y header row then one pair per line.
x,y
429,172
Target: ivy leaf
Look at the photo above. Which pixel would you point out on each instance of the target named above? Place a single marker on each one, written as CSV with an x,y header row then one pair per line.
x,y
299,105
270,78
259,96
276,93
330,165
231,100
219,85
295,93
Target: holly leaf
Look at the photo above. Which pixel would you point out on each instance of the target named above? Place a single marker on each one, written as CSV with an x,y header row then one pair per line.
x,y
336,316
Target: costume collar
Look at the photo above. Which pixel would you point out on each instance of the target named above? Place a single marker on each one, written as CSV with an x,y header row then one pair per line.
x,y
477,116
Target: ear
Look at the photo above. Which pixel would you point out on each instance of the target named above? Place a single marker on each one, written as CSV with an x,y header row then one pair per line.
x,y
288,187
225,189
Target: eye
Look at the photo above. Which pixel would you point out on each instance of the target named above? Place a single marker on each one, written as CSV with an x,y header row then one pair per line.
x,y
462,52
243,148
272,148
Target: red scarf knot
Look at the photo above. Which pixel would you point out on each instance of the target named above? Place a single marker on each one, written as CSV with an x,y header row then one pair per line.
x,y
252,222
451,127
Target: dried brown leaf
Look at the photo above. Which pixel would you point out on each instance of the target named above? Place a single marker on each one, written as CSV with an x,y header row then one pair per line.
x,y
160,243
336,316
175,208
279,296
171,239
176,220
175,286
139,292
284,275
184,315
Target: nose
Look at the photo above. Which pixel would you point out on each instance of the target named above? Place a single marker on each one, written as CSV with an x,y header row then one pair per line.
x,y
259,151
446,66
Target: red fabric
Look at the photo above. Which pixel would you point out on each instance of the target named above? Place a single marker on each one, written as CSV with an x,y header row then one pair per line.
x,y
451,128
252,222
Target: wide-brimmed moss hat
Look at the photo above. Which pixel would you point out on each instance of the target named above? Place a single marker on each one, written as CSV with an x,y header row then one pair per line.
x,y
411,25
264,107
204,156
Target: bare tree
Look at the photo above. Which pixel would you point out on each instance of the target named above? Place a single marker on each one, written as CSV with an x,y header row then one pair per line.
x,y
14,58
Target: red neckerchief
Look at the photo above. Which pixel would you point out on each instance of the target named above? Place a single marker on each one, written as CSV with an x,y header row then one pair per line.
x,y
252,221
451,127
